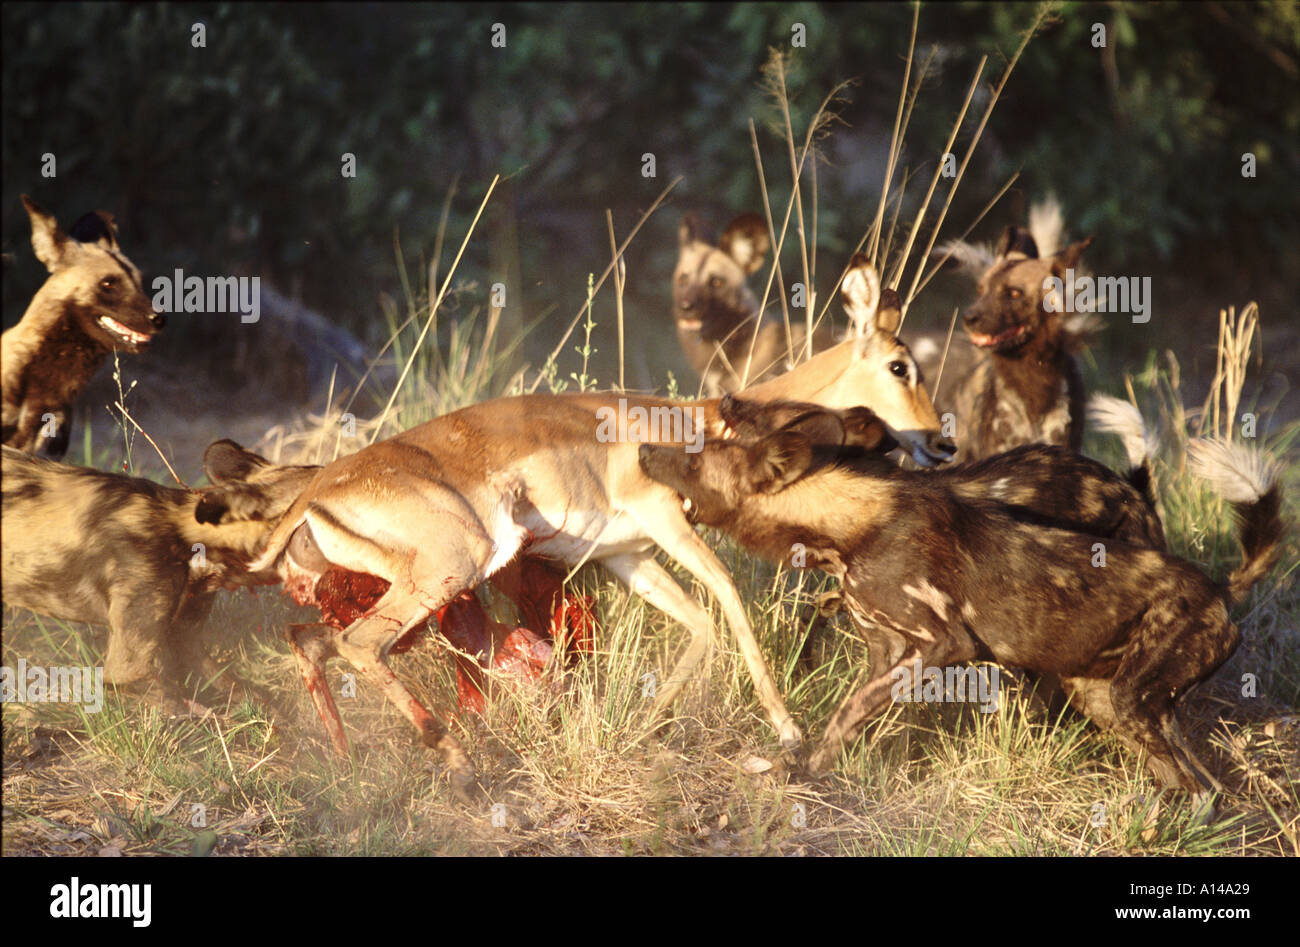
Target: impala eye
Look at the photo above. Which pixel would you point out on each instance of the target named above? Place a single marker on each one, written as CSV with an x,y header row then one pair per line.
x,y
899,369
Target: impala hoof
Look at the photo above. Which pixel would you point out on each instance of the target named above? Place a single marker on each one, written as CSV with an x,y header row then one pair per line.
x,y
790,734
460,771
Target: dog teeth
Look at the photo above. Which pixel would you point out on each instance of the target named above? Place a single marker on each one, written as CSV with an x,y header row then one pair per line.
x,y
686,504
112,325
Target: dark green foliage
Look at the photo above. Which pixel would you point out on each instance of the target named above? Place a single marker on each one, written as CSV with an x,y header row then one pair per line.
x,y
227,159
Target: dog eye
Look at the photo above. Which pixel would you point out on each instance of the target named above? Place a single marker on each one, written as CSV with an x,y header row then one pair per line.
x,y
693,465
715,281
108,282
899,369
1013,292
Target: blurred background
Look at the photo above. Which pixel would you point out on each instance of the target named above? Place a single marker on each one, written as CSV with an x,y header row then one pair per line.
x,y
226,160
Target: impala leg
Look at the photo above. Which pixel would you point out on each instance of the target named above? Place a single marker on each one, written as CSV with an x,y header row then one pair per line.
x,y
652,582
676,537
312,647
364,644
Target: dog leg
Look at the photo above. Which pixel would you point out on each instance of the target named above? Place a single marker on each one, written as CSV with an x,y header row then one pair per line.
x,y
856,710
1174,647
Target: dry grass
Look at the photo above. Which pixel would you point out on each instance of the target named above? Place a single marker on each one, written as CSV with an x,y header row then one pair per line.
x,y
564,766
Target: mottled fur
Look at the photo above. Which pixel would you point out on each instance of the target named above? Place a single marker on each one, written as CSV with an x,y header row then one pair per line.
x,y
437,509
92,303
1012,378
935,577
108,549
716,313
1037,482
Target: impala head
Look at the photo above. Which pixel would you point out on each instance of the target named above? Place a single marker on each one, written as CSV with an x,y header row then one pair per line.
x,y
1010,314
711,294
882,374
92,280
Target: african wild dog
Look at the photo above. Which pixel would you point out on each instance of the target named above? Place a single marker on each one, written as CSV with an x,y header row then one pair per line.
x,y
935,578
726,340
92,304
1013,379
533,475
1037,482
108,549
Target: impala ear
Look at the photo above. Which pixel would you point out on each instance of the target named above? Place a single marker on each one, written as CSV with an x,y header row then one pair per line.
x,y
746,241
860,292
778,460
889,314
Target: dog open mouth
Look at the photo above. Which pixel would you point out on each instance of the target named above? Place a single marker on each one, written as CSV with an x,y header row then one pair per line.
x,y
1011,336
690,325
127,335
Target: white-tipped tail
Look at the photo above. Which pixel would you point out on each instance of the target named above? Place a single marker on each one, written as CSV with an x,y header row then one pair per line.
x,y
1047,225
1238,473
971,258
1112,415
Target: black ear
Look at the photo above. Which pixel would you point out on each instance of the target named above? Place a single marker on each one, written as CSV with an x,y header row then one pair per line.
x,y
225,460
778,460
863,429
1017,243
746,241
746,418
211,508
819,426
97,226
1068,257
690,230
